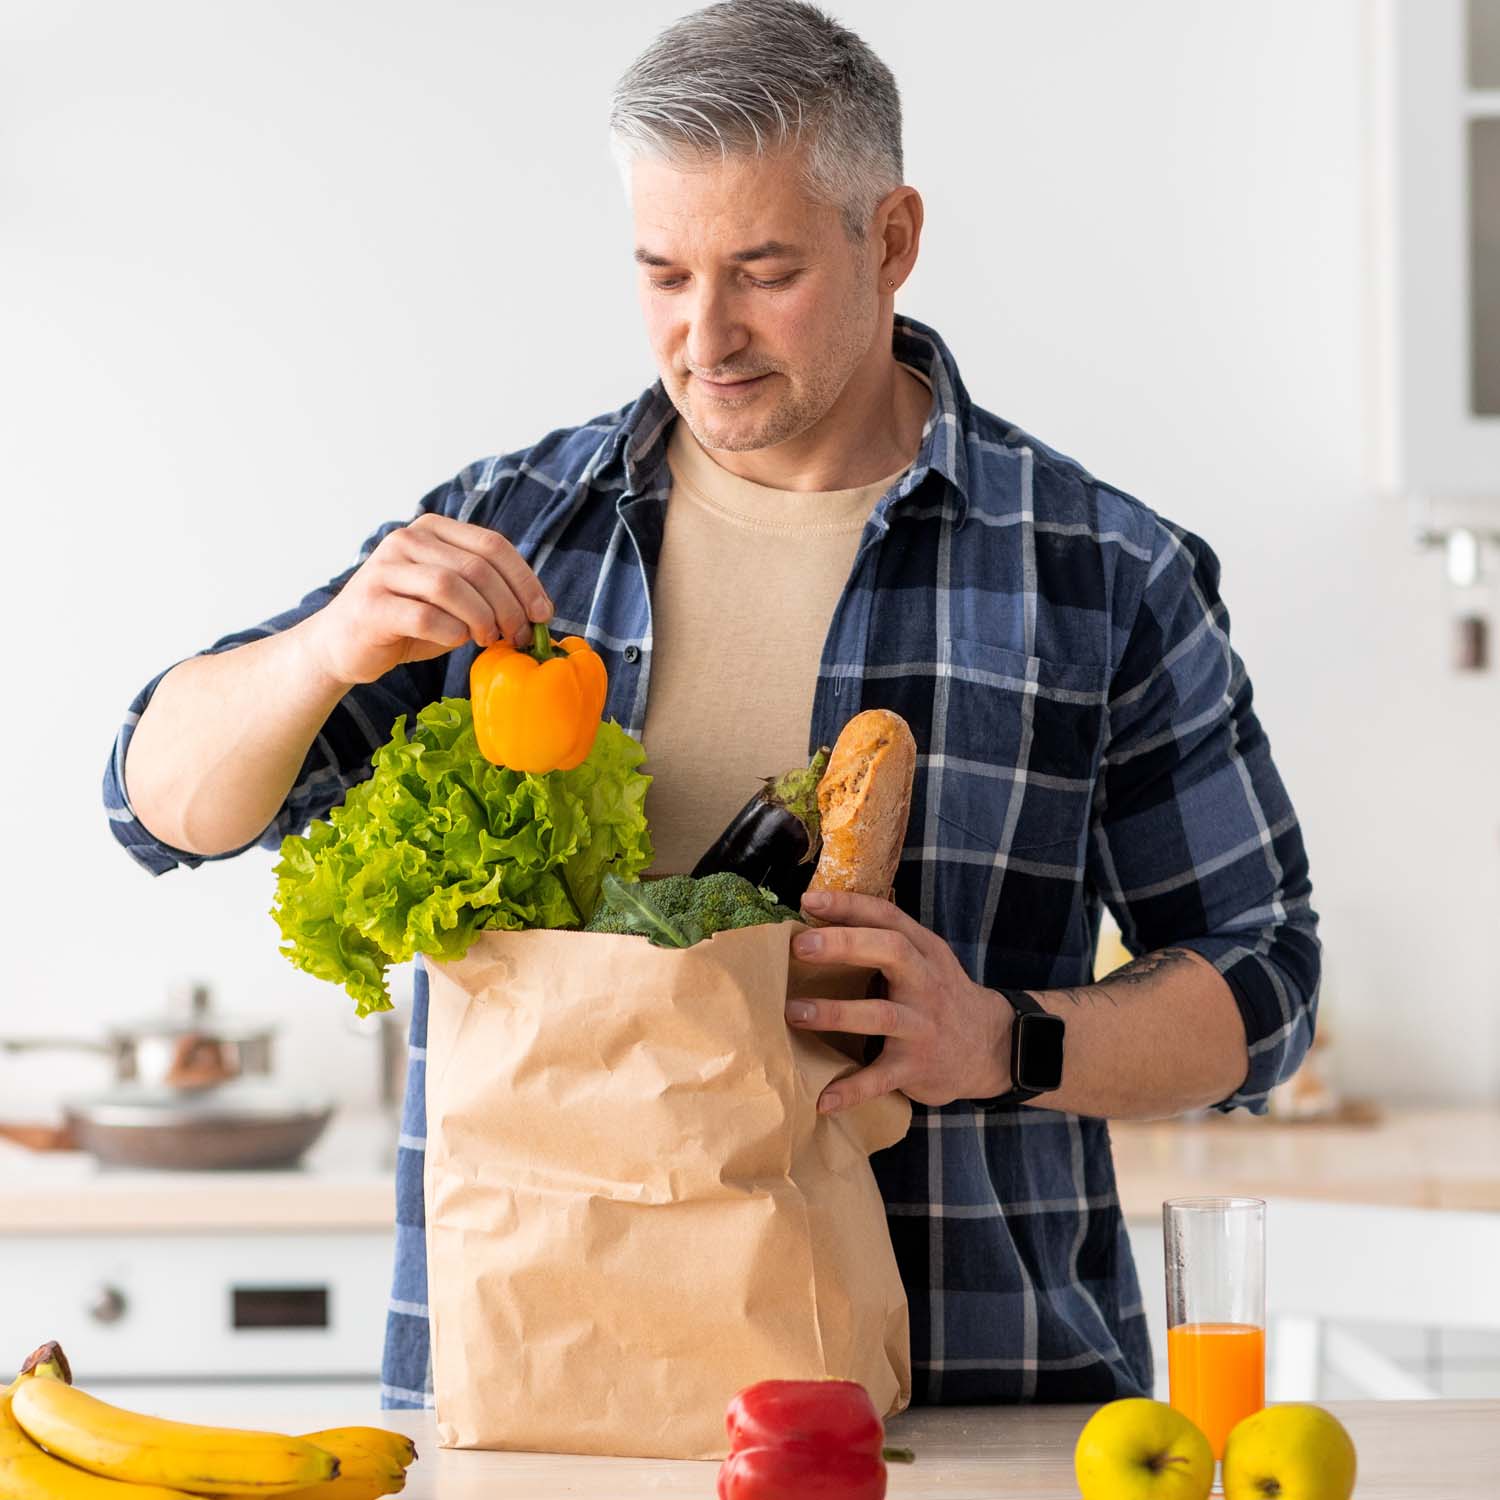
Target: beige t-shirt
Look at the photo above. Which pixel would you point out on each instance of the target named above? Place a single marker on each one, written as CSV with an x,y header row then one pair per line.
x,y
745,590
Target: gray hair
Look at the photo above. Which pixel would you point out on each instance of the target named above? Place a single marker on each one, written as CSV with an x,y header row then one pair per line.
x,y
760,77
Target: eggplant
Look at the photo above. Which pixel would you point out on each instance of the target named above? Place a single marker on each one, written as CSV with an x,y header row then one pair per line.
x,y
773,840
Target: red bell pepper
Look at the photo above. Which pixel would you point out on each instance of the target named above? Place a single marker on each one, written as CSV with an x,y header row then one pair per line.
x,y
805,1440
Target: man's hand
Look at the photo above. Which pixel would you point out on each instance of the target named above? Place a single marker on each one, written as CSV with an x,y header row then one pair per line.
x,y
426,589
945,1035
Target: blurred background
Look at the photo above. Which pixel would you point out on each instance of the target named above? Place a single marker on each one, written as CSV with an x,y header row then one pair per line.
x,y
269,272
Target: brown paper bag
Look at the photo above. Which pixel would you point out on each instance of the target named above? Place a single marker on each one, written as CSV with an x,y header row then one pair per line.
x,y
634,1209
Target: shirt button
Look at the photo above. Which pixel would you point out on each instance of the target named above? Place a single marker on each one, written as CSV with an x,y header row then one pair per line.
x,y
632,654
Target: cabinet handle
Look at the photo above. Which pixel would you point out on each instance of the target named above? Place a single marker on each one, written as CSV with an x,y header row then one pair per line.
x,y
108,1305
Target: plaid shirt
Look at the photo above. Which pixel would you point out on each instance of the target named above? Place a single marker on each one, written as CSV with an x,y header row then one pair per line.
x,y
1086,737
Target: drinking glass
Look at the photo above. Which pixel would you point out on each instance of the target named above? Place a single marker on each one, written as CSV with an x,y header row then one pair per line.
x,y
1216,1310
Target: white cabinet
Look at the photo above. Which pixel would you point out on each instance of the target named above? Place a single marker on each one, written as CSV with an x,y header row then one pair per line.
x,y
1150,1268
1434,136
248,1403
281,1305
1363,1300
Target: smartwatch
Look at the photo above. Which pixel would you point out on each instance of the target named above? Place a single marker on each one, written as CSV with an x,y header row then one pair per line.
x,y
1036,1051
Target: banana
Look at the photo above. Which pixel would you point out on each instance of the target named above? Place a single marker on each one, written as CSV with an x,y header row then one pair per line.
x,y
26,1473
350,1487
336,1489
125,1445
393,1445
363,1472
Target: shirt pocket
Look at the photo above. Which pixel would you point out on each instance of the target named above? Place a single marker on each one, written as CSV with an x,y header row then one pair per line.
x,y
1020,738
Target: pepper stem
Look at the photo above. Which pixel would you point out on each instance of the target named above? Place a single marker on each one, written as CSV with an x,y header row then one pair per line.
x,y
898,1455
541,642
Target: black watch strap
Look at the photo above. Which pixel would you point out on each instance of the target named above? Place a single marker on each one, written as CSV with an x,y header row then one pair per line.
x,y
1023,1005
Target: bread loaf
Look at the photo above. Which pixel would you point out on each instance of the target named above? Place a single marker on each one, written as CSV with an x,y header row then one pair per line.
x,y
864,800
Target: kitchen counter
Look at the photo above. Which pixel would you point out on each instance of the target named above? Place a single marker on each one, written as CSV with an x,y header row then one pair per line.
x,y
345,1182
1422,1158
1432,1449
1432,1158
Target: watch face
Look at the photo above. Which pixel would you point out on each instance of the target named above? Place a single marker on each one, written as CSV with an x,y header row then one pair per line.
x,y
1039,1055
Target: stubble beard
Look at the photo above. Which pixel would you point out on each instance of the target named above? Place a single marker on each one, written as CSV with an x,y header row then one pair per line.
x,y
798,404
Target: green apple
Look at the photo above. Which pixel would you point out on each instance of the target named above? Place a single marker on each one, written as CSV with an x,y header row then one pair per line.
x,y
1294,1451
1135,1449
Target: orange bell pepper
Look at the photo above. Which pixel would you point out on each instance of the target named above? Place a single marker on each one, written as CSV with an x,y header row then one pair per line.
x,y
537,710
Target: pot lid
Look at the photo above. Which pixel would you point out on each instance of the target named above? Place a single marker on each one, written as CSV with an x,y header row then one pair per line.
x,y
190,1012
223,1028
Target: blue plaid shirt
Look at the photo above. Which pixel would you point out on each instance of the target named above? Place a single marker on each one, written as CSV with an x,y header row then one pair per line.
x,y
1087,738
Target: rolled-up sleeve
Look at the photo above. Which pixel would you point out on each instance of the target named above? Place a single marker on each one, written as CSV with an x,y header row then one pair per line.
x,y
1194,841
339,756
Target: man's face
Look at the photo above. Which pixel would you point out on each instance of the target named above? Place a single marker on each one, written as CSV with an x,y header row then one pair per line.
x,y
800,319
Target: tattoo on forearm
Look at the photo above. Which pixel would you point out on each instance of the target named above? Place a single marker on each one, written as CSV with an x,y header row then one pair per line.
x,y
1137,971
1075,995
1148,965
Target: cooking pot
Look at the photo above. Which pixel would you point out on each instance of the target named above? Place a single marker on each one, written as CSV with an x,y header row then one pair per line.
x,y
241,1124
192,1049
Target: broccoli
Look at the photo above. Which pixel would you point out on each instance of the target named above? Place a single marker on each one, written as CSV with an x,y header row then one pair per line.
x,y
678,911
725,901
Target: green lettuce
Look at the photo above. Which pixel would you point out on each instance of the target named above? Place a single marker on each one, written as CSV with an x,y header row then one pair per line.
x,y
439,845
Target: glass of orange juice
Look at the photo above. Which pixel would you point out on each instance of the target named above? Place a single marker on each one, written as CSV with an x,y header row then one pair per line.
x,y
1216,1310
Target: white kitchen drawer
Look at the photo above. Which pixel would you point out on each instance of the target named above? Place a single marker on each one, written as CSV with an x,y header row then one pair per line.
x,y
261,1403
1150,1269
190,1305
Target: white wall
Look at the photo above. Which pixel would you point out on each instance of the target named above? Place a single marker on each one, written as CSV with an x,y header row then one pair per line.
x,y
269,272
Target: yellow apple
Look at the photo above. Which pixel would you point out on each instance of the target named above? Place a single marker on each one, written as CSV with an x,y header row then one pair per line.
x,y
1135,1449
1294,1451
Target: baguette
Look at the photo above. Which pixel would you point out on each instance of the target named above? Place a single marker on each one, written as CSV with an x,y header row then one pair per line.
x,y
864,800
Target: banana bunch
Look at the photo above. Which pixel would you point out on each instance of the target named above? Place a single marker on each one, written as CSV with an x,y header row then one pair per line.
x,y
59,1443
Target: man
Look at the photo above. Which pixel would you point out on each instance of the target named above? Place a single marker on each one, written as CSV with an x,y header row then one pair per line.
x,y
803,517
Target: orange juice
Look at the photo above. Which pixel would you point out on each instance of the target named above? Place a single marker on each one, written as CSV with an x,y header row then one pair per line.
x,y
1218,1375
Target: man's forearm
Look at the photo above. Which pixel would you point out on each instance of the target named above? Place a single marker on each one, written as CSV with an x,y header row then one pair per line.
x,y
1159,1036
221,742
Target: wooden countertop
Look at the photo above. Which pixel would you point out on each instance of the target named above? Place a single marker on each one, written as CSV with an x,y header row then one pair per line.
x,y
1424,1158
345,1182
1434,1449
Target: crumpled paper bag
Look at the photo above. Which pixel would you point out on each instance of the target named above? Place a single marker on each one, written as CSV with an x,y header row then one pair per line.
x,y
634,1209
